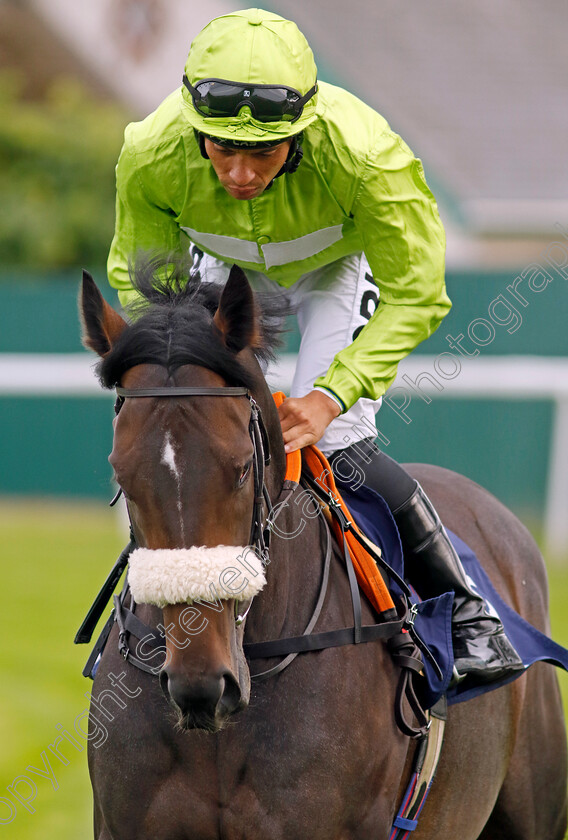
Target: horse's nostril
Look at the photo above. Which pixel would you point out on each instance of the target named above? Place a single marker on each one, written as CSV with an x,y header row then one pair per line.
x,y
164,681
231,699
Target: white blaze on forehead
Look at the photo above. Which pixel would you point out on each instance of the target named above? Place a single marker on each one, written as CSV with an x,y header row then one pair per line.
x,y
182,575
169,456
169,459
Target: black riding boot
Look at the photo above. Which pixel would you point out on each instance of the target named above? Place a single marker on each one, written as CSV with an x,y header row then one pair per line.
x,y
481,648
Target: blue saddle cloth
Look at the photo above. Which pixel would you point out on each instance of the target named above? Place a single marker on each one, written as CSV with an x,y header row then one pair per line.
x,y
433,622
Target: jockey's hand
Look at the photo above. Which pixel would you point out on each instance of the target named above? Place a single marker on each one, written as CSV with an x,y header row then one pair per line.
x,y
305,419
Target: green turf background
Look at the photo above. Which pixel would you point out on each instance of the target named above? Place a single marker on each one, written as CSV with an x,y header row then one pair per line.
x,y
55,555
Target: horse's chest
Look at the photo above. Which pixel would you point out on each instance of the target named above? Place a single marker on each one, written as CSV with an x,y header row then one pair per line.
x,y
286,783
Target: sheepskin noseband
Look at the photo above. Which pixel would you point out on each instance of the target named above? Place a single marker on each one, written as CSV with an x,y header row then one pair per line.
x,y
182,575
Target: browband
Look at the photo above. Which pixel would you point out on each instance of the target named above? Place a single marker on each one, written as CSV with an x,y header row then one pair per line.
x,y
175,391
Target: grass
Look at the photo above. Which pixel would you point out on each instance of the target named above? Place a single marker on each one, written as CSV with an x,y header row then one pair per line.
x,y
55,556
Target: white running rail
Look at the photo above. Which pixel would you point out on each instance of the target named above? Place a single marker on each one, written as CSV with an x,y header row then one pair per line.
x,y
499,377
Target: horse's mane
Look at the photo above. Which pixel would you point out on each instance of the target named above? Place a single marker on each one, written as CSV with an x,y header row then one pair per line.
x,y
172,325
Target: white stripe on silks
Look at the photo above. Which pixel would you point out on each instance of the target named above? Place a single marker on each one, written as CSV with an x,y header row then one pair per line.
x,y
182,575
274,253
226,246
280,253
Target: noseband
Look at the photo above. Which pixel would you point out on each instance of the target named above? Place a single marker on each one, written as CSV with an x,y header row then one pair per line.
x,y
260,531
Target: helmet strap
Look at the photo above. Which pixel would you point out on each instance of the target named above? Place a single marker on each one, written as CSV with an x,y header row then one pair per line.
x,y
295,155
201,143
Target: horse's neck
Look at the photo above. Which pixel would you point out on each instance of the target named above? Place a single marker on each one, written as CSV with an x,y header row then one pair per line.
x,y
294,572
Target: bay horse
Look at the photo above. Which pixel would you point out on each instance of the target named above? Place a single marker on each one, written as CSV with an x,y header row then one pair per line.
x,y
314,751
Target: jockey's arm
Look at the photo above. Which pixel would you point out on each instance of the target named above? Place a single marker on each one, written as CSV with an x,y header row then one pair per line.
x,y
404,242
142,224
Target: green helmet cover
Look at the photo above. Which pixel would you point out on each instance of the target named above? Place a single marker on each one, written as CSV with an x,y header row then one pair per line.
x,y
251,46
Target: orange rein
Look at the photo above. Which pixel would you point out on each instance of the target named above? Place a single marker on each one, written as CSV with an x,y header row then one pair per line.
x,y
368,575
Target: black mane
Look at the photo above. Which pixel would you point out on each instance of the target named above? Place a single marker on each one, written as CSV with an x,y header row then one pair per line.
x,y
172,325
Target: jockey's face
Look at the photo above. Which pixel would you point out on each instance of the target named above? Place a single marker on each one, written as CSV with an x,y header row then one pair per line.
x,y
246,173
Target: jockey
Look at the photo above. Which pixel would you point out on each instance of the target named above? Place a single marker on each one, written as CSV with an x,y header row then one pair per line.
x,y
254,161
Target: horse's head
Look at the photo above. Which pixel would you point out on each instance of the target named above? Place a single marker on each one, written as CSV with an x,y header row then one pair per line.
x,y
188,455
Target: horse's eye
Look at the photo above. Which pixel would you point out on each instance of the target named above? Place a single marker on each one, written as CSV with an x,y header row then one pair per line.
x,y
245,473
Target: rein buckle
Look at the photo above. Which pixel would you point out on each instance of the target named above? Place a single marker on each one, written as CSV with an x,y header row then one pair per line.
x,y
240,618
123,648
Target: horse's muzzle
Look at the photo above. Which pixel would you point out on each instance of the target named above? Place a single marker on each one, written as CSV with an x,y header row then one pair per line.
x,y
206,703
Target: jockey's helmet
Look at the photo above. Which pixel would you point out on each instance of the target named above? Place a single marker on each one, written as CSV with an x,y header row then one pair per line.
x,y
250,77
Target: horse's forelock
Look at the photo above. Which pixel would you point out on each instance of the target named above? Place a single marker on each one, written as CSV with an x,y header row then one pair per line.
x,y
162,280
166,280
173,325
171,338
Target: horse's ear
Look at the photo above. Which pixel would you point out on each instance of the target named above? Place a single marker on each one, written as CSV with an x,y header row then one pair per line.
x,y
101,325
237,316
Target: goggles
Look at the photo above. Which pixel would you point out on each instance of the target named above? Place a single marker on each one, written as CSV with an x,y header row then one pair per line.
x,y
268,103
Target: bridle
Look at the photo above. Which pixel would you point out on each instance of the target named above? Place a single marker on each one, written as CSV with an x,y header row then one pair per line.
x,y
259,538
